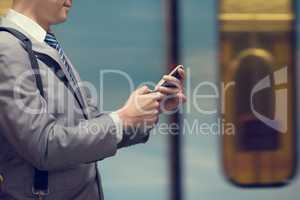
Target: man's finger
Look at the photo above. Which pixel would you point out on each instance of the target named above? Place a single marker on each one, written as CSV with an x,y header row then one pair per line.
x,y
168,91
143,90
172,79
182,98
182,74
155,96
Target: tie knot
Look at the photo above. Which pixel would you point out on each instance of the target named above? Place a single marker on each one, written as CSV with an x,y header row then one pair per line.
x,y
51,40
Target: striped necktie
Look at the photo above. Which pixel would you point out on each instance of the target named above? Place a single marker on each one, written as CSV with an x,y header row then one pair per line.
x,y
53,42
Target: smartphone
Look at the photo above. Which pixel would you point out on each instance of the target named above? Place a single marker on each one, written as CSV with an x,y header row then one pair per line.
x,y
174,73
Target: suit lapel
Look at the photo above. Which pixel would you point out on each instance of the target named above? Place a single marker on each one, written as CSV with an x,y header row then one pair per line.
x,y
80,89
46,49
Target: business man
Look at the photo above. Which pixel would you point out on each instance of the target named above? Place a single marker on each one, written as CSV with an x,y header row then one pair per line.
x,y
61,132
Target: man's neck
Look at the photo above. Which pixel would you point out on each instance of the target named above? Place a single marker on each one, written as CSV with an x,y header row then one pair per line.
x,y
28,13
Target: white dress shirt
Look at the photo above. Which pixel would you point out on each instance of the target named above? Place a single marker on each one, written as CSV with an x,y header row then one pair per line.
x,y
33,29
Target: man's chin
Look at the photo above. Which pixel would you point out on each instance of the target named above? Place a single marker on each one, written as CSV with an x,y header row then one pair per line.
x,y
62,19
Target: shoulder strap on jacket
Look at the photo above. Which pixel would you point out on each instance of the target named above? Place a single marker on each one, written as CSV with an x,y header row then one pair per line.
x,y
28,47
40,182
56,68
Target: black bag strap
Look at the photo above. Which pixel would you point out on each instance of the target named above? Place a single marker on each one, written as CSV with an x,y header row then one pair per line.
x,y
28,47
40,182
55,67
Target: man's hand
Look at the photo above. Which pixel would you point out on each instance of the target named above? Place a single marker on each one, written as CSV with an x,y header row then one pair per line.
x,y
173,96
142,108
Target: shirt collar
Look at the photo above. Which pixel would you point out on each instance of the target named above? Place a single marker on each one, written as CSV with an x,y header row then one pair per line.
x,y
28,25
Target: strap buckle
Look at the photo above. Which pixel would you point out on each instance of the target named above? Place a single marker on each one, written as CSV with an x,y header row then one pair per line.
x,y
40,193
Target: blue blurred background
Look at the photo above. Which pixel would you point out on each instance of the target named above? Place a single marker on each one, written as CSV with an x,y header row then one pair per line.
x,y
131,36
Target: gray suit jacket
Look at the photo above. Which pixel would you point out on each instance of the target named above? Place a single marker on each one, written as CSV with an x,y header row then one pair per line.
x,y
58,139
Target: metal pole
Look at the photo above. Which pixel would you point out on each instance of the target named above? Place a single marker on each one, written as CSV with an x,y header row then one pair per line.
x,y
175,138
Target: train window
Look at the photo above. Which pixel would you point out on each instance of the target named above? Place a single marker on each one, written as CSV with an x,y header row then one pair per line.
x,y
258,56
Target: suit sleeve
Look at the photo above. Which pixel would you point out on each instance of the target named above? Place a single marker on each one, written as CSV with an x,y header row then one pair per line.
x,y
130,137
36,136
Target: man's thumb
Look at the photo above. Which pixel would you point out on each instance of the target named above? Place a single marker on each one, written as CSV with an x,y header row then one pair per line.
x,y
143,90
